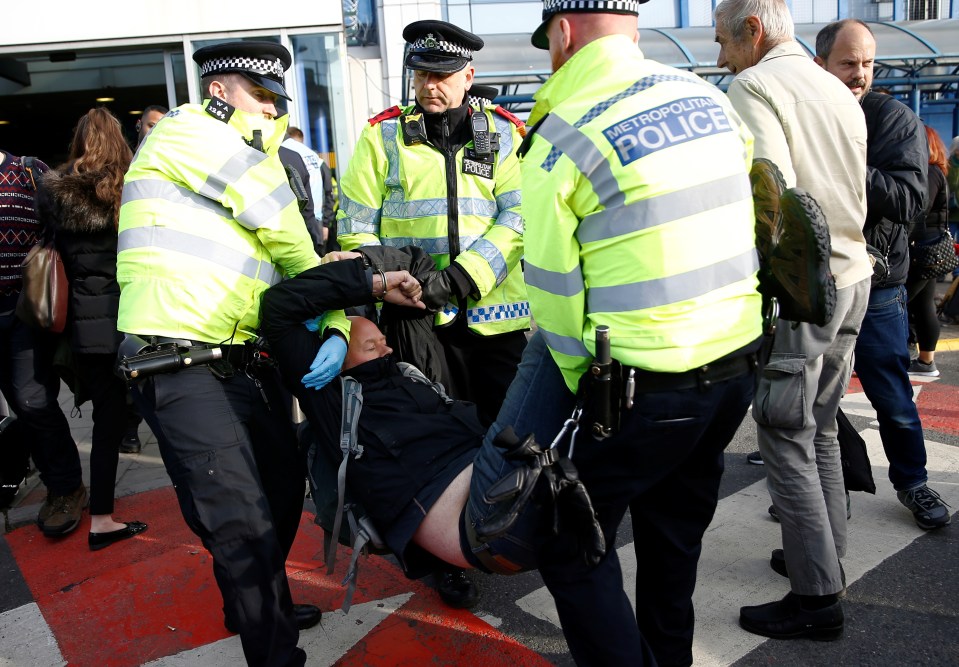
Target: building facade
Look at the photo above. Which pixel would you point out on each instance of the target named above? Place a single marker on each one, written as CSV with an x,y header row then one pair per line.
x,y
59,59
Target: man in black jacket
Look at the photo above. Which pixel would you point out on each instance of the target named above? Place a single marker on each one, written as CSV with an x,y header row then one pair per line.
x,y
897,159
423,453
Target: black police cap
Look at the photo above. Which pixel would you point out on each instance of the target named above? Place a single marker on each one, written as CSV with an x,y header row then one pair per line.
x,y
553,7
438,46
263,63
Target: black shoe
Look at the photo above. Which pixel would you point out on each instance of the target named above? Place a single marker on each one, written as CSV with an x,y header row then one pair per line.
x,y
787,619
456,588
307,615
131,443
777,561
755,458
99,541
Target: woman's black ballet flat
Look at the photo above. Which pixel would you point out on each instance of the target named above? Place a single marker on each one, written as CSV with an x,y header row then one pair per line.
x,y
102,540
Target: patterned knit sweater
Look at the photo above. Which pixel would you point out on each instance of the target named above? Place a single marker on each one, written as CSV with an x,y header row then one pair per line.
x,y
18,226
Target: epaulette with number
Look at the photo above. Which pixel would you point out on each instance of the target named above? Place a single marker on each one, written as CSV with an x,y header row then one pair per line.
x,y
520,125
392,112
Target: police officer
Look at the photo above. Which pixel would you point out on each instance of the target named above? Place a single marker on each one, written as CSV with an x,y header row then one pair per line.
x,y
441,175
208,222
638,177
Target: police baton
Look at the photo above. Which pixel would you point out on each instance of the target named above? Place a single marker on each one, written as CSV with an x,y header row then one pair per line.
x,y
602,382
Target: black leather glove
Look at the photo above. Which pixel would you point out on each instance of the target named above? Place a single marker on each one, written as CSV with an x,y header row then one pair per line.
x,y
436,291
441,286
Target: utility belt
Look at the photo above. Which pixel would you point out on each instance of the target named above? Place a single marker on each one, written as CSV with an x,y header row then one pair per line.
x,y
609,388
140,357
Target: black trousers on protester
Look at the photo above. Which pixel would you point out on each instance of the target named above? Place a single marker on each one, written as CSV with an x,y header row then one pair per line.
x,y
239,480
31,387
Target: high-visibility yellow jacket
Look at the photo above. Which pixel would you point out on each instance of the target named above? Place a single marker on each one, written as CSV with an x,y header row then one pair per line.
x,y
398,195
207,224
639,214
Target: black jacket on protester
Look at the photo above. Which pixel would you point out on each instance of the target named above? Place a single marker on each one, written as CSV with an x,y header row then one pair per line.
x,y
414,443
897,157
85,231
410,331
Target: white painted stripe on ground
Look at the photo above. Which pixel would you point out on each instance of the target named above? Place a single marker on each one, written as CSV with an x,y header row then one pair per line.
x,y
27,639
324,644
734,568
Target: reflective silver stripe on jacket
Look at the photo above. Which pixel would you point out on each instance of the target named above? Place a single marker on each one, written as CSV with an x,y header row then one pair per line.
x,y
571,347
587,158
555,282
646,213
241,162
359,219
197,246
504,127
493,257
267,208
672,289
173,193
432,246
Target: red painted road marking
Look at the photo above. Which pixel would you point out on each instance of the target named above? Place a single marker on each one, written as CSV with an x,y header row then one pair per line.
x,y
155,596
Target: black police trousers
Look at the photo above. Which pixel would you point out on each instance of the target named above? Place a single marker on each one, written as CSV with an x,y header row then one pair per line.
x,y
239,481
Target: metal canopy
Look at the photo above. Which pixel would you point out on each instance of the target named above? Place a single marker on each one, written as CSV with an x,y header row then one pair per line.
x,y
921,57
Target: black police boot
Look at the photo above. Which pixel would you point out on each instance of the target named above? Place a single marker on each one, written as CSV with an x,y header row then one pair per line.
x,y
456,588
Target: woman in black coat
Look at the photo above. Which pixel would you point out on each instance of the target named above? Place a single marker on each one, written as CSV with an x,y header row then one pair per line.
x,y
922,291
78,204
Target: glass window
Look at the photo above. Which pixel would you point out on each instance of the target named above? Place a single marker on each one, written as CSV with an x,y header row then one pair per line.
x,y
319,98
359,22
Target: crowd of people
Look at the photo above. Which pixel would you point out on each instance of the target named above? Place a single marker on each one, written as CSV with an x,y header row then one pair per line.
x,y
620,218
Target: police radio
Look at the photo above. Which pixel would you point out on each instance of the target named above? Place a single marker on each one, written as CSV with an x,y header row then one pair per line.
x,y
479,123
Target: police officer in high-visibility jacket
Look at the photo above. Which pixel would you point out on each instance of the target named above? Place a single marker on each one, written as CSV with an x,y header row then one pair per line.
x,y
442,175
639,218
207,223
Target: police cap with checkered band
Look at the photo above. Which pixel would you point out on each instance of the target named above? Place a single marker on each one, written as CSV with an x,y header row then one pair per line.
x,y
553,7
263,63
438,46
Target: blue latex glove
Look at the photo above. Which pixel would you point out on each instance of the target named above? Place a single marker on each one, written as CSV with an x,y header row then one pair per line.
x,y
327,364
313,324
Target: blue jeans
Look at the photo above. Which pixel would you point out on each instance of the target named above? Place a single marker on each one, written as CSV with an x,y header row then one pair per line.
x,y
882,362
664,465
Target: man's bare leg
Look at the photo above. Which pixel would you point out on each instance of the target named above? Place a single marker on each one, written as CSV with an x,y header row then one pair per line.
x,y
440,531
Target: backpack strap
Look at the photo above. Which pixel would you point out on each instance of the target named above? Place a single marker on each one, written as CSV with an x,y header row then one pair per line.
x,y
352,406
29,164
416,375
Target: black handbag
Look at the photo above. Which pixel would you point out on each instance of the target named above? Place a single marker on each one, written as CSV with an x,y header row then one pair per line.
x,y
933,258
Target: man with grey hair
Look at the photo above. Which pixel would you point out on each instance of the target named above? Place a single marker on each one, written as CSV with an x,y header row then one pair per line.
x,y
814,131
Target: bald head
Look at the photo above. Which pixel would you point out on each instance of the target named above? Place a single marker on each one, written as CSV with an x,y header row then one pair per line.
x,y
569,32
367,342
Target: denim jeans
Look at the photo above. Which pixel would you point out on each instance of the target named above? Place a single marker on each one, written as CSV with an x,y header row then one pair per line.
x,y
31,387
882,362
